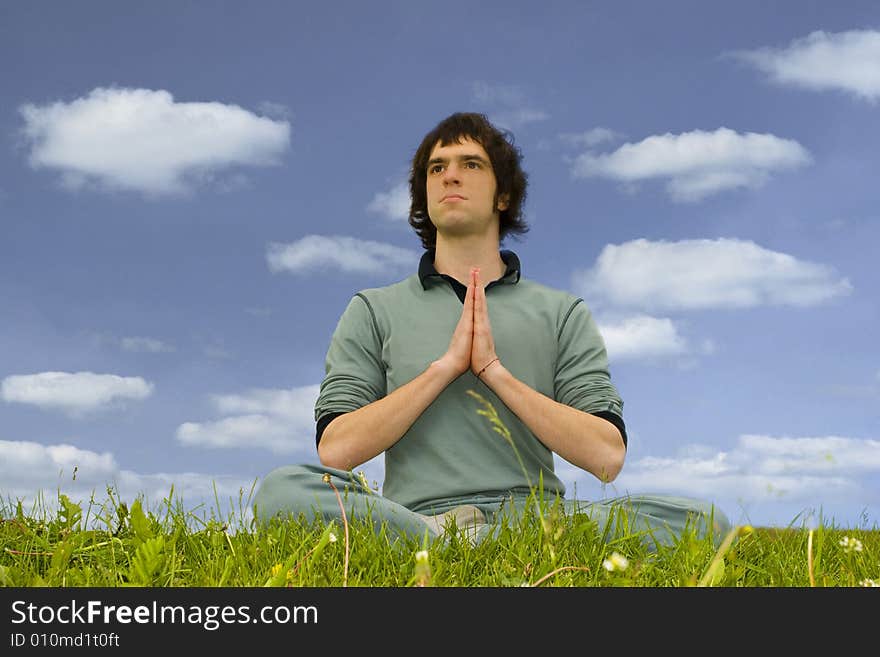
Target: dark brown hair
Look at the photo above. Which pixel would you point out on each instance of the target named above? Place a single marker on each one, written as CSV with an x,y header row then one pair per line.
x,y
510,179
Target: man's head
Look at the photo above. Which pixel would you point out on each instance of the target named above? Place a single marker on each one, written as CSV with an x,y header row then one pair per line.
x,y
504,157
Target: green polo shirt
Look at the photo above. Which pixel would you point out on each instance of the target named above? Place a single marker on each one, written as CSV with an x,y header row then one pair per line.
x,y
389,335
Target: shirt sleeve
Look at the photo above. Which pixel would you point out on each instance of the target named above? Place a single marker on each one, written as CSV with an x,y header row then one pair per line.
x,y
354,370
582,377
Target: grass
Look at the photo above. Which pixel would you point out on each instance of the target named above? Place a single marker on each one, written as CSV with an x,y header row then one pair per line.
x,y
114,544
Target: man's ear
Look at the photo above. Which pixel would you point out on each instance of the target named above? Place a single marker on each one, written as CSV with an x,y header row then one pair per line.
x,y
503,202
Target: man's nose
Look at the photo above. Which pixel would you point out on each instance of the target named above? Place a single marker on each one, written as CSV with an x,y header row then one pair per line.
x,y
451,174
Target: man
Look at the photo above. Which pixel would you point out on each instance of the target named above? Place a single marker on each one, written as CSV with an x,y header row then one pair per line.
x,y
405,358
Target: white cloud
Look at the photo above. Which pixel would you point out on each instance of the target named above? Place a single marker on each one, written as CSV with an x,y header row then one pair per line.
x,y
765,467
142,140
846,61
588,138
250,431
770,475
35,474
513,109
346,254
642,336
277,110
149,345
697,164
216,352
699,274
393,204
296,404
24,464
282,421
811,455
512,119
502,94
135,344
75,393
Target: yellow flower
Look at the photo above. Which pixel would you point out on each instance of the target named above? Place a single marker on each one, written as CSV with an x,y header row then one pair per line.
x,y
276,570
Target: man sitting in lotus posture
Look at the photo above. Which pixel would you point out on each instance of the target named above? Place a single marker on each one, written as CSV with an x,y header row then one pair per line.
x,y
404,357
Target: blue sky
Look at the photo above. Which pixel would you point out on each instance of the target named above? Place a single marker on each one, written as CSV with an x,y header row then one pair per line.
x,y
191,192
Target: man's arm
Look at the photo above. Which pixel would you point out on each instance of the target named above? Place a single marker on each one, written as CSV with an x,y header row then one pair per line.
x,y
585,440
355,437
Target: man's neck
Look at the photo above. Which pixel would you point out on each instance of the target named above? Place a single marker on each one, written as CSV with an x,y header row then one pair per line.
x,y
456,257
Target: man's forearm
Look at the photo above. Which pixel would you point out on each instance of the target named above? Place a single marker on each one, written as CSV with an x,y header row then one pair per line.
x,y
587,441
354,438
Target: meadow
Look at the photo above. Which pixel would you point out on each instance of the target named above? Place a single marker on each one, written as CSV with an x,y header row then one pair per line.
x,y
113,543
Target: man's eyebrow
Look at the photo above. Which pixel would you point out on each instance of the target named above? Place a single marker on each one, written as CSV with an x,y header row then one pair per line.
x,y
462,158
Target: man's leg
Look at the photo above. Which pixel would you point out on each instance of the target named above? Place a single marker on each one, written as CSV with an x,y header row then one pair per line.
x,y
301,489
659,519
656,519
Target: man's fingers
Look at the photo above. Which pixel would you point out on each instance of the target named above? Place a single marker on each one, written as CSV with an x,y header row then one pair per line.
x,y
480,312
475,282
483,346
464,330
461,343
469,297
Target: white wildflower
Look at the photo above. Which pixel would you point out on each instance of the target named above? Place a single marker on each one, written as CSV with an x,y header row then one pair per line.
x,y
615,562
851,544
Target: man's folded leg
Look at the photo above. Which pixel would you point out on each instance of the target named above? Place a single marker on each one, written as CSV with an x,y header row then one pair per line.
x,y
659,519
292,490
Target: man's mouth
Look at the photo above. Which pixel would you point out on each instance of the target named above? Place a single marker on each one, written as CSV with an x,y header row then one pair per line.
x,y
452,197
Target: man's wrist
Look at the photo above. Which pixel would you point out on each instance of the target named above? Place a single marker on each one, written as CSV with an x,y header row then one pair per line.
x,y
493,373
444,369
487,366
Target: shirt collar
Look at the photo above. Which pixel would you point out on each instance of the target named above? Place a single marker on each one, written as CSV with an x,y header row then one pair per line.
x,y
427,271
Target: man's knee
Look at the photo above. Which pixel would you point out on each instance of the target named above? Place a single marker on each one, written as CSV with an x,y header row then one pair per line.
x,y
280,490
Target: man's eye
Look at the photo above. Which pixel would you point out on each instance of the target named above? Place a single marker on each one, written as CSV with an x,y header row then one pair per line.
x,y
436,168
472,165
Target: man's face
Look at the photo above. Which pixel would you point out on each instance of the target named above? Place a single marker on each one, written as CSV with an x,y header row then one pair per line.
x,y
461,188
